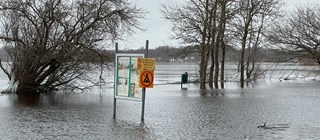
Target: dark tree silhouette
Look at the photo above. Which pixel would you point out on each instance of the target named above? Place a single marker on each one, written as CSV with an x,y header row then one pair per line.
x,y
299,34
52,42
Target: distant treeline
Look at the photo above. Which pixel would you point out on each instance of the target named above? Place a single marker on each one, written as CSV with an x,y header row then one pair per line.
x,y
167,53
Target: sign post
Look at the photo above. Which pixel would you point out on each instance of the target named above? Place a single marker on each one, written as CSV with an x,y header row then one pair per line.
x,y
133,72
144,89
114,90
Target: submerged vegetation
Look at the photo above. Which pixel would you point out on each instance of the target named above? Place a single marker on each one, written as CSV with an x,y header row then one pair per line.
x,y
53,43
212,28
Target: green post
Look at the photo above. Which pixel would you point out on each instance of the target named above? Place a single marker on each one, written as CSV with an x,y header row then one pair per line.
x,y
184,79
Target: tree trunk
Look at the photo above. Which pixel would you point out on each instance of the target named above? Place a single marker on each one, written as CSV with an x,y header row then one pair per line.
x,y
204,49
216,63
202,72
213,42
242,67
223,23
30,80
222,66
211,67
248,20
255,48
27,83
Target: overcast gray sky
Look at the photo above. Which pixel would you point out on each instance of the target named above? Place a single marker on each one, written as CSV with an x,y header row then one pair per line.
x,y
158,30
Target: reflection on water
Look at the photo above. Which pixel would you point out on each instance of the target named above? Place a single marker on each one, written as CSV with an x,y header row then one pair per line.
x,y
290,110
171,113
65,117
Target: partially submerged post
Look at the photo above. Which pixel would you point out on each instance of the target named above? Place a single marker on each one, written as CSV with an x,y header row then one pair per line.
x,y
144,89
114,89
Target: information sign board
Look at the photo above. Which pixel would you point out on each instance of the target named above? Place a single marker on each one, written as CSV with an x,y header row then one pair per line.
x,y
126,82
146,63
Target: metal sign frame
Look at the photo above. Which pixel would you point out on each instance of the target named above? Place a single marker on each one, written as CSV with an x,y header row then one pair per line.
x,y
126,73
143,98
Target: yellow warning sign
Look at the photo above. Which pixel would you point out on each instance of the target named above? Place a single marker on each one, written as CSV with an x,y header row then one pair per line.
x,y
146,78
146,63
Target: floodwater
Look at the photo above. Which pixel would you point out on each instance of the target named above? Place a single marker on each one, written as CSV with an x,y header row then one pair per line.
x,y
290,109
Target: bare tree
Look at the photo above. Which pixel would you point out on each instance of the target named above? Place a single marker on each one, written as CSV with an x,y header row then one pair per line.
x,y
202,23
218,21
214,49
211,23
221,44
191,24
249,24
52,42
299,34
270,11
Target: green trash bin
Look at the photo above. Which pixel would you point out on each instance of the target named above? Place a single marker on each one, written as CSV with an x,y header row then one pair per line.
x,y
184,78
